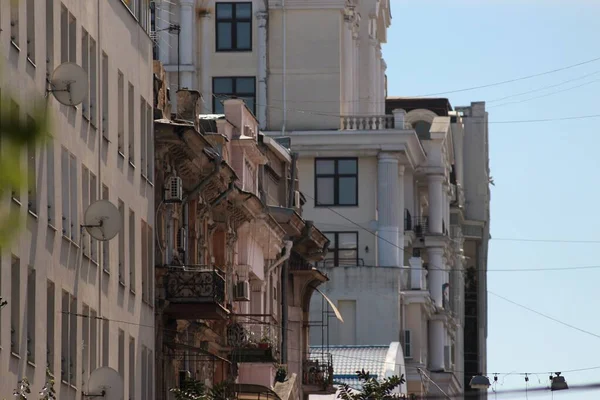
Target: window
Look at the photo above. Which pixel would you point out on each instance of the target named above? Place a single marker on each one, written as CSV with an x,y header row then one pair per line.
x,y
343,248
15,305
93,77
121,114
14,23
51,179
32,201
68,359
30,10
122,245
85,345
93,342
68,35
131,125
145,262
131,368
336,182
105,244
31,316
50,35
145,372
233,87
69,198
234,26
89,196
16,193
149,143
105,83
121,353
105,341
50,318
132,280
143,138
422,129
407,345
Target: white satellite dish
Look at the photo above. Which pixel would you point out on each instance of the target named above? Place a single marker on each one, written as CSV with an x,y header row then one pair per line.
x,y
102,220
105,382
69,84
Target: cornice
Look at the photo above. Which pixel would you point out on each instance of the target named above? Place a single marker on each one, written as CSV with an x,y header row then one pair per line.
x,y
307,4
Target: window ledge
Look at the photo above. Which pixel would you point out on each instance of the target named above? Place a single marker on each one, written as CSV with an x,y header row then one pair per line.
x,y
15,45
33,214
51,226
68,239
17,201
107,272
31,62
121,283
31,363
15,355
132,291
131,164
121,153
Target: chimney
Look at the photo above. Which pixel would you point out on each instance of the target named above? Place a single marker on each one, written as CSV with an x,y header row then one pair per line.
x,y
189,105
399,118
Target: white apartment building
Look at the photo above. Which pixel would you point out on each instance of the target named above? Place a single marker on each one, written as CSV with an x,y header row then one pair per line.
x,y
75,304
313,71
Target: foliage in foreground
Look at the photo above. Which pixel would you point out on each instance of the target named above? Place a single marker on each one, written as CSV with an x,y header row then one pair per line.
x,y
195,390
372,389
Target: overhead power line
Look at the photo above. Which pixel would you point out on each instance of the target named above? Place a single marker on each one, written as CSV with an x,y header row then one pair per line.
x,y
512,80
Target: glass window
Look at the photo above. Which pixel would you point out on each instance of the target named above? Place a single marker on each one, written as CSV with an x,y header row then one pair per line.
x,y
343,249
233,87
234,26
336,182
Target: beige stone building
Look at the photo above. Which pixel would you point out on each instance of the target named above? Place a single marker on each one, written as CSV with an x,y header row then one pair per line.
x,y
75,304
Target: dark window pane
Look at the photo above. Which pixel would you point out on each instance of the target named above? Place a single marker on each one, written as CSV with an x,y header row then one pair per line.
x,y
218,108
347,191
422,129
224,10
324,191
249,103
347,257
347,241
325,167
243,35
244,85
243,10
346,166
223,85
224,36
331,237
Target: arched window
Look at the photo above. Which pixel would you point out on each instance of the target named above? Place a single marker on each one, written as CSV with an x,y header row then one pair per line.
x,y
422,129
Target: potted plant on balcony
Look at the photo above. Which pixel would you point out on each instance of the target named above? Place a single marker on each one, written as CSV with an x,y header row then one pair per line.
x,y
265,343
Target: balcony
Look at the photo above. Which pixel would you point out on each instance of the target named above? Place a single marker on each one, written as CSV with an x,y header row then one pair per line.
x,y
420,226
317,373
195,292
341,262
254,339
366,122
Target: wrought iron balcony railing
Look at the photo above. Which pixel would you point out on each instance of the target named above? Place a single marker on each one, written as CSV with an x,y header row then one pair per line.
x,y
341,262
254,339
195,284
317,371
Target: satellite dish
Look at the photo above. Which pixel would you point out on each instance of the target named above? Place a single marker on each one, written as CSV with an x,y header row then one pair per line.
x,y
105,382
102,220
69,84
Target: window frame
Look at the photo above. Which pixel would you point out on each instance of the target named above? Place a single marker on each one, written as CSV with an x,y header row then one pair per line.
x,y
336,250
234,94
336,181
233,20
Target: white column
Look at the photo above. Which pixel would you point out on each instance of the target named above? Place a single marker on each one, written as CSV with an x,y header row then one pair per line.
x,y
383,86
261,17
436,203
387,206
207,46
436,275
378,81
355,73
437,338
371,106
186,50
347,84
400,207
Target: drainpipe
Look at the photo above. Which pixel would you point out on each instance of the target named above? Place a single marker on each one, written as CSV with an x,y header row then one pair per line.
x,y
169,250
283,258
187,234
285,270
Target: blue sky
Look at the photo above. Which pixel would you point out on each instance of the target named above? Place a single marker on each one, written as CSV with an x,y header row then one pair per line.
x,y
546,174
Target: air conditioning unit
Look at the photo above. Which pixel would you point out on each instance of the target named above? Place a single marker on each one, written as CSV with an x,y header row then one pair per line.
x,y
181,235
241,291
173,190
297,199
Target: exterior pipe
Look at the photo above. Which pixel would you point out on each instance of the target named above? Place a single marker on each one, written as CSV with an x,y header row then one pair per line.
x,y
283,258
186,236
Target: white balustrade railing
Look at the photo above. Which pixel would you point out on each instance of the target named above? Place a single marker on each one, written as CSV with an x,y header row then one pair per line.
x,y
367,122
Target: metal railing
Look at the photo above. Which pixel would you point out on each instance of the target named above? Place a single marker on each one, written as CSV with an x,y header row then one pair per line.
x,y
195,284
317,369
254,338
341,262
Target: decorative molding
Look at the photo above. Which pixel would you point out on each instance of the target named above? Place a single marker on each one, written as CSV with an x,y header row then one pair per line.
x,y
308,4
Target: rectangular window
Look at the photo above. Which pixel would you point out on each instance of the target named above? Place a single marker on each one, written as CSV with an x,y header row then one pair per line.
x,y
407,345
150,374
105,244
144,238
93,343
50,35
131,368
343,249
144,372
105,85
51,179
15,306
73,344
30,10
85,202
93,198
122,245
68,359
50,321
85,342
93,82
16,193
131,125
14,23
121,114
233,87
149,143
64,34
105,342
234,26
143,137
64,171
64,348
336,182
31,315
72,38
132,229
121,353
32,200
150,266
73,202
85,64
